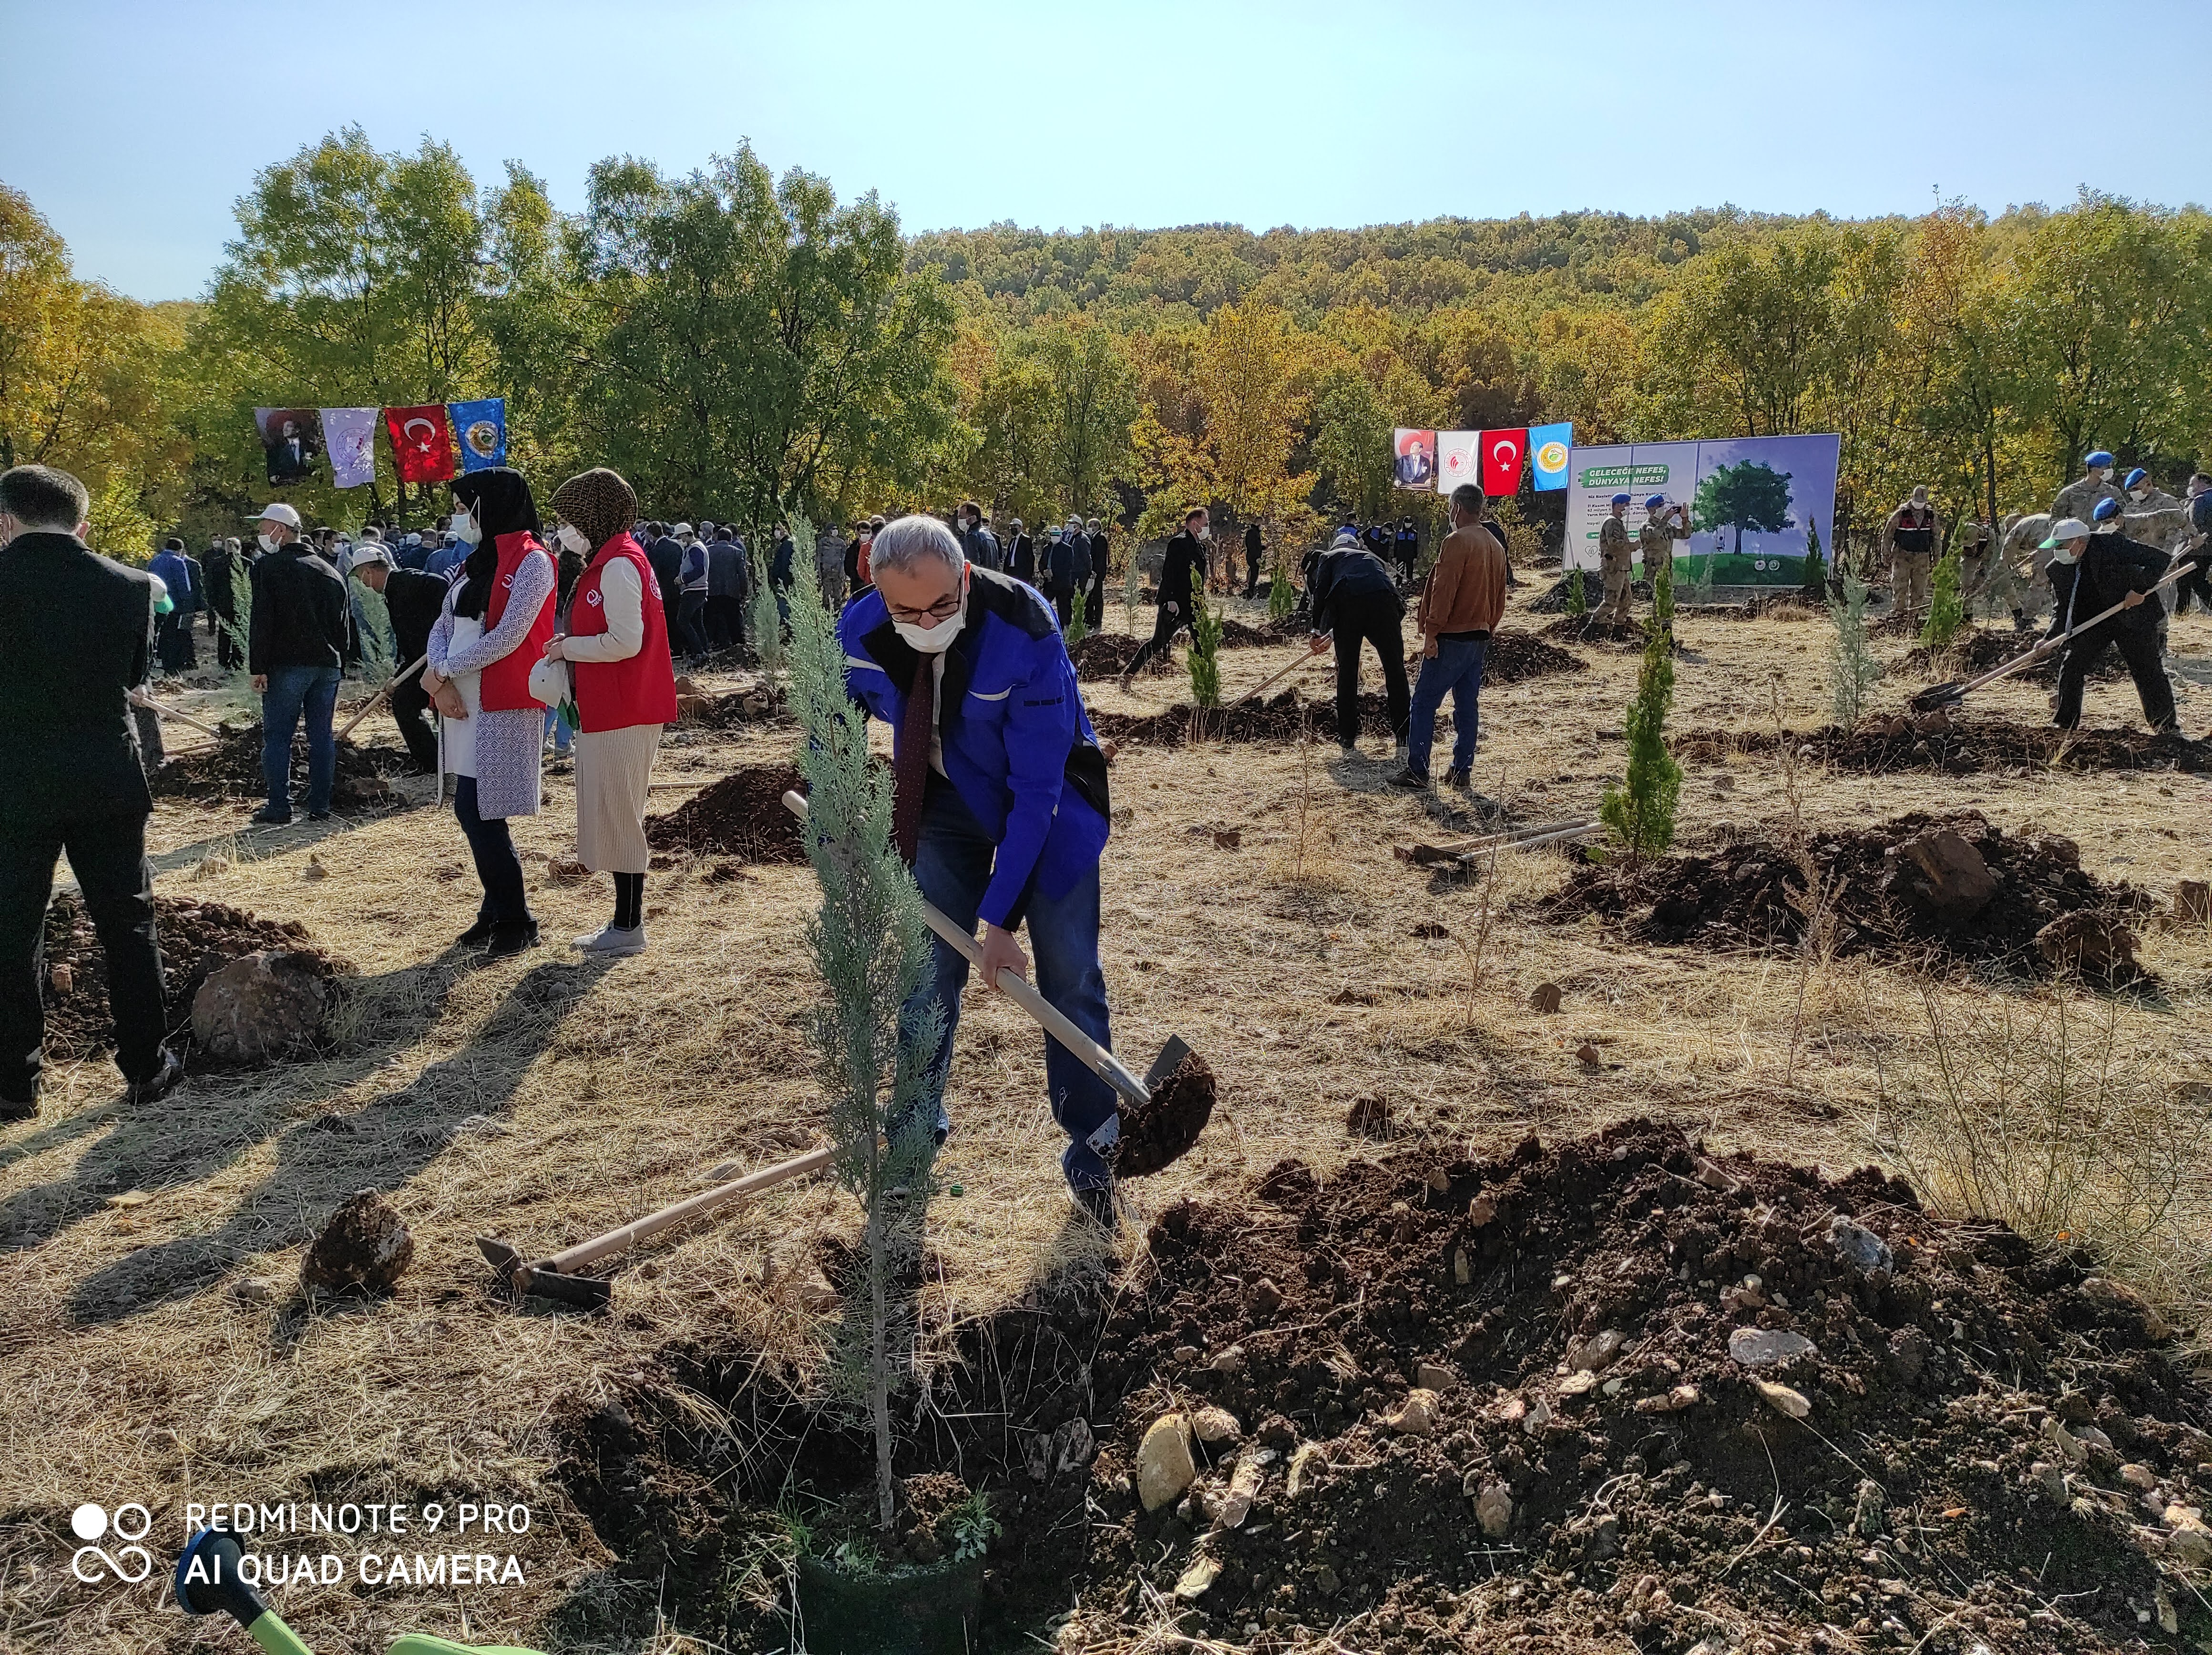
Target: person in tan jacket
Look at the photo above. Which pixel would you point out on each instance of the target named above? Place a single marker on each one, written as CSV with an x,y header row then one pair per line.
x,y
1460,607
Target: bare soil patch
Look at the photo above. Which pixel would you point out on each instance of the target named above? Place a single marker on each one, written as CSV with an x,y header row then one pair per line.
x,y
1968,747
740,816
1749,895
229,772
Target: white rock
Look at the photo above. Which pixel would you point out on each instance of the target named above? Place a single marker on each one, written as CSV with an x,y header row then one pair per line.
x,y
1164,1467
1762,1347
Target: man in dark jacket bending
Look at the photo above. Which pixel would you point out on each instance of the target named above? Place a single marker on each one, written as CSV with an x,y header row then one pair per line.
x,y
1355,600
2091,573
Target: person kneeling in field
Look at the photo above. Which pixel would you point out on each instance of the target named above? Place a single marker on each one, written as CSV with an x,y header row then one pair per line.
x,y
1000,803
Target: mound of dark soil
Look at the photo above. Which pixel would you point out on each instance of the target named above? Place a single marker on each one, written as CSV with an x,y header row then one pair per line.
x,y
1969,747
1884,898
1587,628
1982,649
197,939
1514,657
1606,1395
1235,634
1281,717
230,772
1101,655
740,816
742,709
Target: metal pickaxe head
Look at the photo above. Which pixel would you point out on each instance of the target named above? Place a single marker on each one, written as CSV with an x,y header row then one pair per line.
x,y
537,1281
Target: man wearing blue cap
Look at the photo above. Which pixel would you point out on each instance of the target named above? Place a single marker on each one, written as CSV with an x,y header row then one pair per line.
x,y
1657,540
2079,497
1614,559
2090,572
2196,549
2144,495
1910,537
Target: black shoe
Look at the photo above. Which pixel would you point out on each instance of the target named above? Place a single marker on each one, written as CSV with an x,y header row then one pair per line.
x,y
1411,780
162,1082
1458,779
477,935
512,936
1097,1204
19,1108
319,816
268,818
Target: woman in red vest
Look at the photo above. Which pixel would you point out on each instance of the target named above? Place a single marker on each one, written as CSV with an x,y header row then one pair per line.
x,y
617,639
495,623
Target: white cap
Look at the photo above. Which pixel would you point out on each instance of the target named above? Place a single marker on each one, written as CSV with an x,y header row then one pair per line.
x,y
371,551
681,529
2064,529
278,512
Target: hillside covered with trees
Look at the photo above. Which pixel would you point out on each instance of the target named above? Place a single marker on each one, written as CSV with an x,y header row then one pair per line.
x,y
742,344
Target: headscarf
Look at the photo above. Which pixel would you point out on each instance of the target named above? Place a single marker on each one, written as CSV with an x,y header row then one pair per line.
x,y
599,502
502,504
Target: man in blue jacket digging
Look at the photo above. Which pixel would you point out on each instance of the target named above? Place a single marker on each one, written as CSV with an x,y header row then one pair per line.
x,y
999,796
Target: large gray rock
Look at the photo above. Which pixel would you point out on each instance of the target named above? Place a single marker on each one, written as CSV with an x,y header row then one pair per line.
x,y
261,1007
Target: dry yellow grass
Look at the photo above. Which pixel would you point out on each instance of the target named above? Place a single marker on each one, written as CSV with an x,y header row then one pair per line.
x,y
544,1099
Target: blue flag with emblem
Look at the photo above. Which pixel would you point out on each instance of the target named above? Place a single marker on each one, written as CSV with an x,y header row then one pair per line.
x,y
1549,447
482,428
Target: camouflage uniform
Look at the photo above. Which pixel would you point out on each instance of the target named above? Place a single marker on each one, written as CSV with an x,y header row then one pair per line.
x,y
1657,541
1912,534
2079,497
1612,562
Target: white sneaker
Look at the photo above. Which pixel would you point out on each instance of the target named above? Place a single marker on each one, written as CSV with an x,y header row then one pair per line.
x,y
613,943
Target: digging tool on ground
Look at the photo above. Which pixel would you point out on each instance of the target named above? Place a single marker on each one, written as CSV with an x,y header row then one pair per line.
x,y
1268,682
377,699
1939,696
207,1582
1163,1112
559,1277
139,698
1426,854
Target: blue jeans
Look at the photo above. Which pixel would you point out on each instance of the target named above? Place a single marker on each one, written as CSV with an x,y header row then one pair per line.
x,y
563,738
953,867
1456,668
292,691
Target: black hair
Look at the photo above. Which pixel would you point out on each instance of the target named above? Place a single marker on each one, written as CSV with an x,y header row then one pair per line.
x,y
41,497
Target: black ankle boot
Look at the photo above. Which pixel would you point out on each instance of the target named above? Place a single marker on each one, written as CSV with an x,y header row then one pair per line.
x,y
512,936
477,935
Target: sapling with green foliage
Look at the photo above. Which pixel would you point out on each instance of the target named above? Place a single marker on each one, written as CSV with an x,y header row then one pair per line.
x,y
873,1046
1641,810
1577,600
1812,575
1947,610
1205,651
1078,625
764,622
1281,599
1852,669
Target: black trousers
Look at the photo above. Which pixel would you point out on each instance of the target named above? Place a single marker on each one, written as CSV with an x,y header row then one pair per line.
x,y
2138,647
1062,599
691,622
228,654
492,847
2194,584
1094,605
1170,622
726,621
107,854
410,711
1372,618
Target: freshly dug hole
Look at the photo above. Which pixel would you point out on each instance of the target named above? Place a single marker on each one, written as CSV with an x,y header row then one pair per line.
x,y
1633,1498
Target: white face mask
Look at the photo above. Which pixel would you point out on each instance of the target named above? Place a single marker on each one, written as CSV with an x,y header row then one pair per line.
x,y
572,539
2100,472
1206,533
464,528
2138,493
937,638
268,542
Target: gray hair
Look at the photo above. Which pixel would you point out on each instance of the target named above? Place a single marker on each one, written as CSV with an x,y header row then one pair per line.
x,y
905,542
1467,498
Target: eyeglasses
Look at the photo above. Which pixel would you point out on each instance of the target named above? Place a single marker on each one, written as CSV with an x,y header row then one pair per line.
x,y
942,609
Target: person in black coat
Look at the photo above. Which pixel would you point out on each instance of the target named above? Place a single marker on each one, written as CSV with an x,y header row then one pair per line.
x,y
1355,600
224,569
1183,572
76,637
413,600
1021,553
1256,552
2089,574
666,554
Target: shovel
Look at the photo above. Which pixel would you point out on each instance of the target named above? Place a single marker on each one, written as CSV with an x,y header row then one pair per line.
x,y
139,698
559,1277
377,699
1161,1115
1269,682
1947,695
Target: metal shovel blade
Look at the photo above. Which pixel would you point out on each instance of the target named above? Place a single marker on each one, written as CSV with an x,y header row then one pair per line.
x,y
1169,1060
1936,697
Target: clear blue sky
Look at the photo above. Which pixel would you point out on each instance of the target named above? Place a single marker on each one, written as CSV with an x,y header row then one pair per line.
x,y
134,124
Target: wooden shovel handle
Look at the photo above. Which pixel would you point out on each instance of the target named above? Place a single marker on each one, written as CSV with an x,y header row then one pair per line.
x,y
1305,660
2050,647
569,1260
139,698
377,699
1016,987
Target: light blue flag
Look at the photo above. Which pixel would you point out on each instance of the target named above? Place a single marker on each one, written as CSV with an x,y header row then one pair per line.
x,y
1549,448
482,428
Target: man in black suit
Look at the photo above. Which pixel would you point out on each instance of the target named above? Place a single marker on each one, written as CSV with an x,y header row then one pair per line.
x,y
76,635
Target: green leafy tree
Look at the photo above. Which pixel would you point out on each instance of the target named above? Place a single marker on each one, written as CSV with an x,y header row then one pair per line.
x,y
1205,651
1749,495
872,1046
1947,614
1641,811
1090,401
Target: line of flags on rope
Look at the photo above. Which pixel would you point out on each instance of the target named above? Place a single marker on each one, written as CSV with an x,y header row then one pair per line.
x,y
431,442
1443,460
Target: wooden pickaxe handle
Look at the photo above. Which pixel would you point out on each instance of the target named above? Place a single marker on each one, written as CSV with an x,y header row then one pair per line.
x,y
1016,987
1305,660
139,698
569,1260
377,699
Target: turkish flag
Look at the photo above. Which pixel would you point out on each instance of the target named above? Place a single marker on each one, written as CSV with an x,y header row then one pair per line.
x,y
421,442
1502,454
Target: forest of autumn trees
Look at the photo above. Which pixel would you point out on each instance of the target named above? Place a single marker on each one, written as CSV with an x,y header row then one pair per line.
x,y
742,344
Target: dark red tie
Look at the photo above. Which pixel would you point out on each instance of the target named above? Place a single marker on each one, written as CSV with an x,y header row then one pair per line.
x,y
911,770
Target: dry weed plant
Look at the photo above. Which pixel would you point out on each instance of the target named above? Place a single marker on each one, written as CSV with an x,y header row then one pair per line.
x,y
2037,1110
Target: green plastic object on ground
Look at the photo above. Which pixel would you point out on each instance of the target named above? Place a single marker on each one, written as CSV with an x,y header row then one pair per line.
x,y
207,1583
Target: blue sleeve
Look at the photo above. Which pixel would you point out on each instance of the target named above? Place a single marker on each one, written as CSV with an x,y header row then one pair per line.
x,y
1041,714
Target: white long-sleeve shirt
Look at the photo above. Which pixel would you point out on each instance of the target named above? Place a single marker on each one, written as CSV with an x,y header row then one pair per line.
x,y
622,599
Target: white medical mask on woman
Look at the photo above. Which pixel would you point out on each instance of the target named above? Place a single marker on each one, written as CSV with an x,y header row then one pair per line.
x,y
465,528
572,540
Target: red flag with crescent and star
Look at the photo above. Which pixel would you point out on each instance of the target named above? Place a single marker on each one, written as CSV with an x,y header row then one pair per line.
x,y
1502,454
422,442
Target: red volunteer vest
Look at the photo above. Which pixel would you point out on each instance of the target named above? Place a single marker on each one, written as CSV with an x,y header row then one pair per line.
x,y
505,684
642,688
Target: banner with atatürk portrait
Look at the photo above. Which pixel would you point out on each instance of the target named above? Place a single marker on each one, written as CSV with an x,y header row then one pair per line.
x,y
291,441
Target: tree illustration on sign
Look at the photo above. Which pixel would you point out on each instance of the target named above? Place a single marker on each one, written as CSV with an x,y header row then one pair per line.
x,y
1748,495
